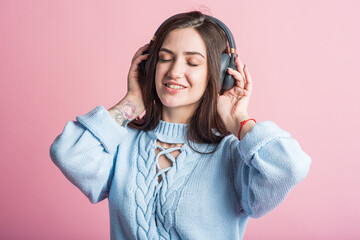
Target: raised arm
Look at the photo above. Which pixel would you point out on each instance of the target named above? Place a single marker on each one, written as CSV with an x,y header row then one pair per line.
x,y
268,163
85,150
132,105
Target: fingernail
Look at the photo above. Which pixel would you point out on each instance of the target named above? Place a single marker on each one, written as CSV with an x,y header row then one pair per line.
x,y
245,66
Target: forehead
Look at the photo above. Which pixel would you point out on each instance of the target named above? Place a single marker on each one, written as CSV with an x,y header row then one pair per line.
x,y
185,40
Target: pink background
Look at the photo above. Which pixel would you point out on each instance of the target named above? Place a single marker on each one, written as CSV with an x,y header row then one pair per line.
x,y
60,59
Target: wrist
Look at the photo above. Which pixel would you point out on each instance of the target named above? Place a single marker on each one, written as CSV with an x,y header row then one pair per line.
x,y
127,110
240,118
233,123
245,127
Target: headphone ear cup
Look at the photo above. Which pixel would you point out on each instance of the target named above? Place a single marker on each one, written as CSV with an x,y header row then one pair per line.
x,y
228,82
142,66
225,60
143,62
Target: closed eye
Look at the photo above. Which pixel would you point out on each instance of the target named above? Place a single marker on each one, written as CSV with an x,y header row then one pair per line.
x,y
168,60
193,65
165,60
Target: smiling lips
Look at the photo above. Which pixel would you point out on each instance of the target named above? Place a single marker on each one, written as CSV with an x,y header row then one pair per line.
x,y
173,86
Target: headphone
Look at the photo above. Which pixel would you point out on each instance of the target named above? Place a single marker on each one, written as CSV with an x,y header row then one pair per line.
x,y
227,81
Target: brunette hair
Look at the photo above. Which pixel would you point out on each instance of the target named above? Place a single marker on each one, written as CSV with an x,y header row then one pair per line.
x,y
205,126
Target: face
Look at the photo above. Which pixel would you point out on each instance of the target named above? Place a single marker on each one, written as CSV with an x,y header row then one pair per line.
x,y
181,71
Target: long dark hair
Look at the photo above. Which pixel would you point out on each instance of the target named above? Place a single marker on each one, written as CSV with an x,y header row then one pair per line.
x,y
205,126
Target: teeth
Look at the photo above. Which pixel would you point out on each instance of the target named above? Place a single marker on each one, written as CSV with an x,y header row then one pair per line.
x,y
174,86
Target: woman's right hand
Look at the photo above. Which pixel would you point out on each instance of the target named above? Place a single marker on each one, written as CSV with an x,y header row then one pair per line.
x,y
134,88
132,105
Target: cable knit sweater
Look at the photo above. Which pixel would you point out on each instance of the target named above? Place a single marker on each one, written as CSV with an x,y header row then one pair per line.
x,y
201,196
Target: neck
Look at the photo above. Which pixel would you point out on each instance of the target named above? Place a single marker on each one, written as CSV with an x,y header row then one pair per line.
x,y
177,115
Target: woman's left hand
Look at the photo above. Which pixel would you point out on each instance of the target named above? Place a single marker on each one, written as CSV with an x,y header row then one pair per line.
x,y
233,104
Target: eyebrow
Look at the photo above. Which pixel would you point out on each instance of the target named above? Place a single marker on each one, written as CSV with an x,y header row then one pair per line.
x,y
186,53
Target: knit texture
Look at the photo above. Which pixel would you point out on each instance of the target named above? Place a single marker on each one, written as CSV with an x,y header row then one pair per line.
x,y
201,196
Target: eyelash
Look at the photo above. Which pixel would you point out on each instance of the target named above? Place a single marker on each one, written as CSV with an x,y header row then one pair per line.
x,y
163,60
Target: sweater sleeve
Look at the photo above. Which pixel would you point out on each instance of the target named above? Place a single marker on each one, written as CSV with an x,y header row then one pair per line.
x,y
268,163
85,152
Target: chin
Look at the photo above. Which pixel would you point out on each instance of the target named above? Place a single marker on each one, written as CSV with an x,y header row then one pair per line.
x,y
170,104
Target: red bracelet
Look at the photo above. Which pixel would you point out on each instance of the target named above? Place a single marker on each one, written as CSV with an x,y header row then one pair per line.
x,y
242,124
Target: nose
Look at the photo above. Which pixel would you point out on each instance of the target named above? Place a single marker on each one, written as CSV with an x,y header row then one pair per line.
x,y
176,70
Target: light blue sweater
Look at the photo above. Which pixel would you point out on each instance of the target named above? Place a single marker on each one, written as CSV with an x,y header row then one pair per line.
x,y
202,196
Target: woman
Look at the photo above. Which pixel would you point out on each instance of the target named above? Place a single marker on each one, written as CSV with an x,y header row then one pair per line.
x,y
194,166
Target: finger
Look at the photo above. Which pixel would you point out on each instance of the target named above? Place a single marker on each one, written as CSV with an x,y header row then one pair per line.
x,y
238,91
239,66
240,81
137,61
249,82
140,51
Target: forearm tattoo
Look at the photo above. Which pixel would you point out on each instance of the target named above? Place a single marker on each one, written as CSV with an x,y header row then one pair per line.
x,y
125,113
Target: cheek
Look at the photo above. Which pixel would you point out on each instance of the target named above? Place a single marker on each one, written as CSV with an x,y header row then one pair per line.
x,y
200,79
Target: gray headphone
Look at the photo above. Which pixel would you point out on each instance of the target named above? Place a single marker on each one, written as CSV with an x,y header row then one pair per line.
x,y
227,81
